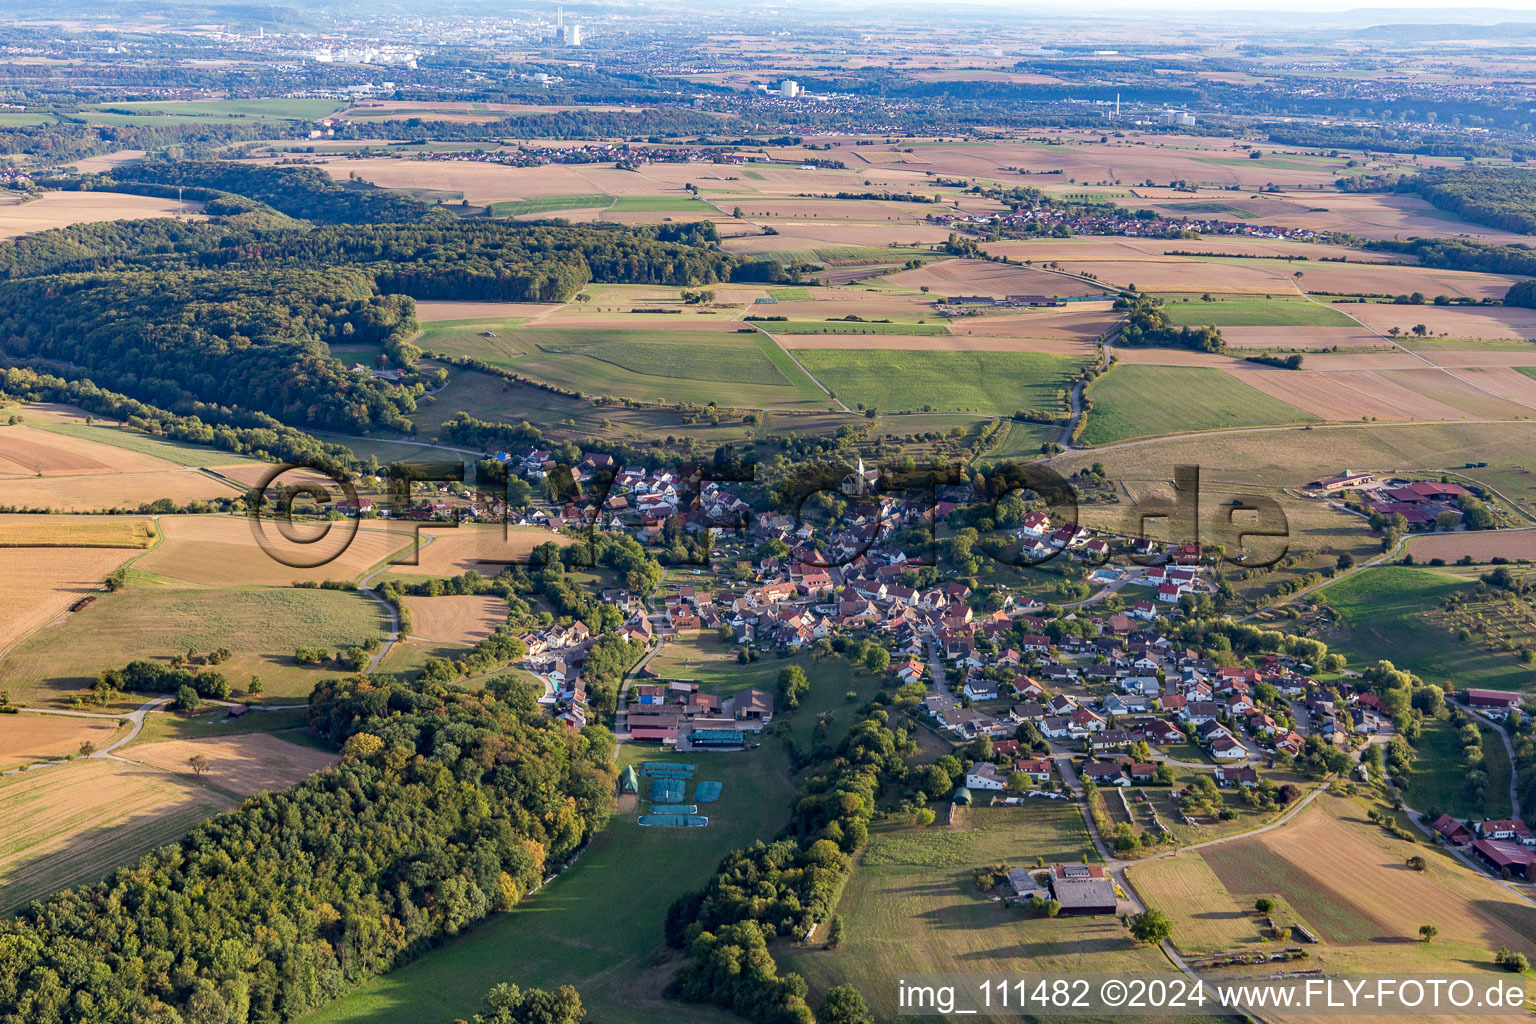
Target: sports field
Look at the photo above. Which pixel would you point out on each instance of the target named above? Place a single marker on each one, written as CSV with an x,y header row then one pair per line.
x,y
1139,401
992,383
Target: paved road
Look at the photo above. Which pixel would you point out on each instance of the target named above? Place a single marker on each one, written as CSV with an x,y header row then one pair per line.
x,y
1080,387
366,587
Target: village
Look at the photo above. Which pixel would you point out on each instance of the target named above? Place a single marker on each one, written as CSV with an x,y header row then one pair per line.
x,y
1077,702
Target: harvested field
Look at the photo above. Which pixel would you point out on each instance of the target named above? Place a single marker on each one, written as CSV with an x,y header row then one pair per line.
x,y
1482,545
76,823
432,311
1085,320
1440,386
21,531
1453,321
454,551
1361,893
980,277
28,738
223,551
1347,395
61,209
483,183
1504,381
1187,275
49,468
458,619
242,765
1206,917
1380,216
39,584
1287,338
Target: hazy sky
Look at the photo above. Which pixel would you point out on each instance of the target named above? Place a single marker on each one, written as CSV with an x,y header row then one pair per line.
x,y
1475,11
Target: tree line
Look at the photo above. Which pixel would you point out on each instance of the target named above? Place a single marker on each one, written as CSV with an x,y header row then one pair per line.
x,y
446,807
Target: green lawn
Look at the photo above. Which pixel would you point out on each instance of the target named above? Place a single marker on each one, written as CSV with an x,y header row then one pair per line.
x,y
1255,313
599,926
261,626
848,327
1439,772
545,204
911,905
22,119
1384,615
790,294
994,383
1139,401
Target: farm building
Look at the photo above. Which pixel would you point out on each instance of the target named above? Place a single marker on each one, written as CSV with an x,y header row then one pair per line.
x,y
1502,856
1022,886
1453,831
1083,890
1497,702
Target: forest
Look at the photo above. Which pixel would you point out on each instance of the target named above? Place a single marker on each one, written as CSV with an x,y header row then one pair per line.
x,y
446,807
240,312
1503,198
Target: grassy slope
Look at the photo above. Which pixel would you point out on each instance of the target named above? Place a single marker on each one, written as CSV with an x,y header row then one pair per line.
x,y
599,925
994,383
1382,607
1439,769
911,905
262,626
1138,401
132,440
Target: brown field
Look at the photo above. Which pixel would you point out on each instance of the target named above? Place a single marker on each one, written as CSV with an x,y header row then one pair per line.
x,y
1347,278
61,209
1347,395
1474,358
24,531
1186,275
1081,320
456,550
242,765
1381,216
1454,321
1482,545
77,822
1502,381
39,469
39,584
980,277
1361,894
1390,359
1442,386
1301,337
772,209
1186,889
28,738
431,311
458,619
98,164
1173,357
222,551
